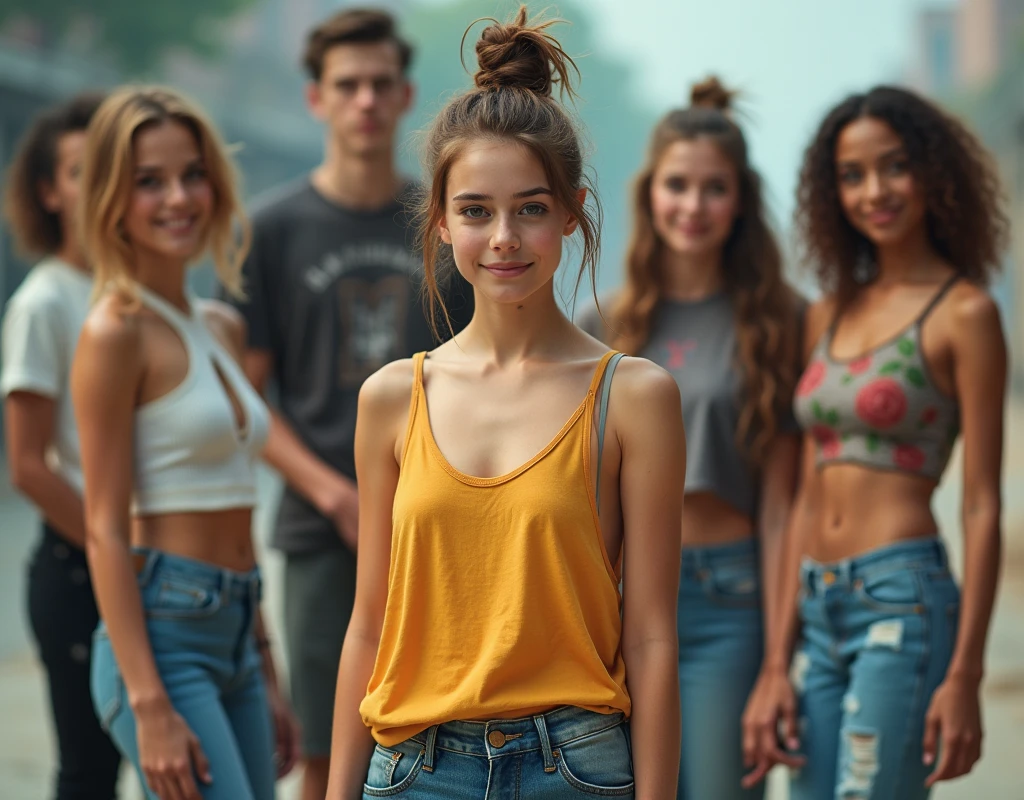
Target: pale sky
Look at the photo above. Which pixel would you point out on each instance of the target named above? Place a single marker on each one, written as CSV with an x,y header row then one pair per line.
x,y
793,59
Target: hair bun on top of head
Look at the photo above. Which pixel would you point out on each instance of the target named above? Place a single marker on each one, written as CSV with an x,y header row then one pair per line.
x,y
711,93
520,55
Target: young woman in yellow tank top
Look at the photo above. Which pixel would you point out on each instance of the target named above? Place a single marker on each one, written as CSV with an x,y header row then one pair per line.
x,y
507,485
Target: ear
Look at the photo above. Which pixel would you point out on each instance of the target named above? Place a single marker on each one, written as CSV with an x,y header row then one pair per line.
x,y
572,223
442,230
48,196
314,100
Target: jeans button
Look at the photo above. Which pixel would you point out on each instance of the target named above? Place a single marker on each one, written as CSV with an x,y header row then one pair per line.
x,y
496,738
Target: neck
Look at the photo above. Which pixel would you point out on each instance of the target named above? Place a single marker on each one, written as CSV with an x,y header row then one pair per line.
x,y
908,261
691,277
70,253
164,278
362,182
508,333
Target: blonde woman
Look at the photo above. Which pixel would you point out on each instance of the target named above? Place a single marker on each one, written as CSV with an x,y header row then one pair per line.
x,y
170,429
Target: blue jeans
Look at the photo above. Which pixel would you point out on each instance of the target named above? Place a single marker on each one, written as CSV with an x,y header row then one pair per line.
x,y
199,619
878,633
563,754
720,649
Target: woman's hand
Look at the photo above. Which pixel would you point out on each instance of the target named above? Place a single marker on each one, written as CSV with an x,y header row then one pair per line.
x,y
771,706
954,719
286,733
170,754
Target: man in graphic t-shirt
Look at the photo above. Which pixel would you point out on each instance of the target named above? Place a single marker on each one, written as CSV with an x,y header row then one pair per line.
x,y
333,294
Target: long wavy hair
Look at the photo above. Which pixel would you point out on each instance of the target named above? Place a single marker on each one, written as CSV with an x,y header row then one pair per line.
x,y
520,63
967,224
107,187
766,308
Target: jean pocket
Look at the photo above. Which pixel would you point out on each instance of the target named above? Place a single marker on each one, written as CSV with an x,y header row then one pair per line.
x,y
598,764
393,770
176,598
734,584
105,681
895,592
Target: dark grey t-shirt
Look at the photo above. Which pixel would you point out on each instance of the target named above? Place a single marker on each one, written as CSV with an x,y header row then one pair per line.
x,y
696,342
333,294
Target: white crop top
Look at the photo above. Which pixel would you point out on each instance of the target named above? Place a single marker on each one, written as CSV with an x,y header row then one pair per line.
x,y
189,453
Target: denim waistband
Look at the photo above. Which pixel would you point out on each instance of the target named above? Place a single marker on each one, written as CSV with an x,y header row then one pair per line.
x,y
228,584
912,554
696,559
503,737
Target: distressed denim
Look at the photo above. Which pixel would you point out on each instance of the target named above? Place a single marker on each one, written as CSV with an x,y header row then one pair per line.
x,y
720,649
199,619
878,633
560,755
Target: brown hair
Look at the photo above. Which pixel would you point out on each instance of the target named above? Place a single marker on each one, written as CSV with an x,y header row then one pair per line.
x,y
519,65
353,26
966,222
36,229
107,184
765,307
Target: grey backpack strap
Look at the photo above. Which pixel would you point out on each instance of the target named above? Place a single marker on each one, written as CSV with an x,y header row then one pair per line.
x,y
602,419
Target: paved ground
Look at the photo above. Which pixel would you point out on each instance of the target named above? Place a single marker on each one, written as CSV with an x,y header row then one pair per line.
x,y
25,742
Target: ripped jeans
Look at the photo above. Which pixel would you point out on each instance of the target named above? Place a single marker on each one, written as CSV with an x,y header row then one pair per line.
x,y
878,632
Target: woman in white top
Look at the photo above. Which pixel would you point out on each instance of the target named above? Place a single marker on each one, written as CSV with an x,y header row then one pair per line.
x,y
170,429
40,330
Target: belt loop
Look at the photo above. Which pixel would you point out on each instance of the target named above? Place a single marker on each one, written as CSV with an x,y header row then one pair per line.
x,y
150,559
428,750
545,742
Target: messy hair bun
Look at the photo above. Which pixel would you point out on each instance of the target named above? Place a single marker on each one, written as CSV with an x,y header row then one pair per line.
x,y
518,55
711,93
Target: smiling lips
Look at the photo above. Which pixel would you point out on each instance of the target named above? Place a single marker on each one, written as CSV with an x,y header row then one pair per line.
x,y
883,217
178,225
507,269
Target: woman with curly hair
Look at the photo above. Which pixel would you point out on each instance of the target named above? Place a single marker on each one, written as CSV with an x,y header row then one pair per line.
x,y
705,299
899,207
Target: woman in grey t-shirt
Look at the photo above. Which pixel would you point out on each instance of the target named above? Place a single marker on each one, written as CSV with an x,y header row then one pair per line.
x,y
705,299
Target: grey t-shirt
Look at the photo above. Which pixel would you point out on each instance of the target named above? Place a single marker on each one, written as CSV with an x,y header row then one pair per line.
x,y
334,294
696,342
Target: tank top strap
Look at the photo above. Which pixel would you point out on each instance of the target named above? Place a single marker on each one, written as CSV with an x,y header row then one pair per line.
x,y
612,358
928,309
185,325
417,402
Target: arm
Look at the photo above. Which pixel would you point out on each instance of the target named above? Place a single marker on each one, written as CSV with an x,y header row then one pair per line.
x,y
330,492
383,407
29,421
651,477
105,378
979,372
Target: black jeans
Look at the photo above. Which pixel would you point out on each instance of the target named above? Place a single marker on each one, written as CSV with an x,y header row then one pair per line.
x,y
63,615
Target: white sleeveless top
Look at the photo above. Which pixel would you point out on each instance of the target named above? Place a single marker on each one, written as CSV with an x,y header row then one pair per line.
x,y
189,452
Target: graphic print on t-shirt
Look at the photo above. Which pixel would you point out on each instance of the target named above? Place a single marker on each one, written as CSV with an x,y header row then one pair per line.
x,y
677,352
373,317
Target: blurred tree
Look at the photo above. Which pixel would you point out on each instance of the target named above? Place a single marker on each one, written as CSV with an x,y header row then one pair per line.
x,y
136,33
616,124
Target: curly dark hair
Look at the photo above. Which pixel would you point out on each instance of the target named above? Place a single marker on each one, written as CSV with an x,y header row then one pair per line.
x,y
967,224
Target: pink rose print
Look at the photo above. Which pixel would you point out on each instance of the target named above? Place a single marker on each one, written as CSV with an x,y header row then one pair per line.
x,y
811,379
929,415
827,440
859,366
881,403
908,457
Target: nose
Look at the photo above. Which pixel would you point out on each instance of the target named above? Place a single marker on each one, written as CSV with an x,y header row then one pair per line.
x,y
692,200
874,186
177,193
366,95
504,238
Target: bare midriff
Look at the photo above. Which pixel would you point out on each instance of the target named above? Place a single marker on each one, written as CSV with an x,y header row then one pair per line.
x,y
221,538
862,509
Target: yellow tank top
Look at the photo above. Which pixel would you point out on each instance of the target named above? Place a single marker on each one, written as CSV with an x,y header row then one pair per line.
x,y
502,601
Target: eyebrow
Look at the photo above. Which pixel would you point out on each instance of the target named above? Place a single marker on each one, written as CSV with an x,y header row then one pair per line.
x,y
196,162
517,196
899,150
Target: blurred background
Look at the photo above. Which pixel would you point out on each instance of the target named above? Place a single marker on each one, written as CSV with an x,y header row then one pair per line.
x,y
792,59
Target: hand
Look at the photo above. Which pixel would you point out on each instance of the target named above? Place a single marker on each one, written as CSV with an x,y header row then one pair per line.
x,y
771,706
170,754
954,719
286,733
342,508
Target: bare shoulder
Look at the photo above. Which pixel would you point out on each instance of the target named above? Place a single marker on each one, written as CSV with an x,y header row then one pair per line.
x,y
970,306
387,390
112,328
225,323
640,383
